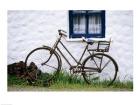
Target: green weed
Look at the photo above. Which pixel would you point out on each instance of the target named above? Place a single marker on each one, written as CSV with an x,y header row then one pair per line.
x,y
66,81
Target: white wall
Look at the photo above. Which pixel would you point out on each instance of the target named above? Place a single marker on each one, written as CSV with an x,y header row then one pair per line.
x,y
120,27
30,29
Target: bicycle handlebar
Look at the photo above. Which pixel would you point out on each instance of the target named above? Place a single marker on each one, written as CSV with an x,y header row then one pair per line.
x,y
62,32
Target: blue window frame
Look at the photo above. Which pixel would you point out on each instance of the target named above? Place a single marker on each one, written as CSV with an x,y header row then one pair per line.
x,y
87,23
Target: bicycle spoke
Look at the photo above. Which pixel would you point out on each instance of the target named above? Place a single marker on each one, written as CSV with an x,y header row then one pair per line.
x,y
95,63
106,64
39,67
50,66
101,61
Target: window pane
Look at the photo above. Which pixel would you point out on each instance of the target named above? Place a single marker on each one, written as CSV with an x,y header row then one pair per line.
x,y
79,24
94,26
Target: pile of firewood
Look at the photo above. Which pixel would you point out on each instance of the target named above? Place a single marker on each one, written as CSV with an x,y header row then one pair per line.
x,y
20,70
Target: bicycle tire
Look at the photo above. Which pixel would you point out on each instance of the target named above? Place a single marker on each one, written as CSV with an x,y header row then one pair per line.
x,y
97,57
47,50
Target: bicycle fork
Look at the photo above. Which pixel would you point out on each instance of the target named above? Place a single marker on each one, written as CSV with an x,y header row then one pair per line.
x,y
51,53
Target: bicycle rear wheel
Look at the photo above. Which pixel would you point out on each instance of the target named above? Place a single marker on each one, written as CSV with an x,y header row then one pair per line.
x,y
48,63
100,68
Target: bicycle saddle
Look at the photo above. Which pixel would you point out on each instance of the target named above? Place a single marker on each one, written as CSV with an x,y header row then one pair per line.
x,y
62,32
88,41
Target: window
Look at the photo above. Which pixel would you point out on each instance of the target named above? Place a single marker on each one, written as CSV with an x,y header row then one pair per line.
x,y
87,23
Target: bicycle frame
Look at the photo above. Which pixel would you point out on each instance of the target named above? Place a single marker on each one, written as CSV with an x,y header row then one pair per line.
x,y
78,62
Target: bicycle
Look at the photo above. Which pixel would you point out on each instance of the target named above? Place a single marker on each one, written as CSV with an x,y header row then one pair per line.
x,y
96,65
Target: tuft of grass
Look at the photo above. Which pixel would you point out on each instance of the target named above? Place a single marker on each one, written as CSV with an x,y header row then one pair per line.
x,y
13,80
67,78
65,81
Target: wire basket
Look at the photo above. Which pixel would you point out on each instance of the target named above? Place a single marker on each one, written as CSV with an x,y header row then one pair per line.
x,y
100,46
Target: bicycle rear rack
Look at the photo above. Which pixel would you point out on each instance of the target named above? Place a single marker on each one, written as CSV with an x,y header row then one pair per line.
x,y
100,46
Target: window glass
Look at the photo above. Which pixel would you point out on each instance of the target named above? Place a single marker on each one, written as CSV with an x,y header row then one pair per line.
x,y
94,26
79,24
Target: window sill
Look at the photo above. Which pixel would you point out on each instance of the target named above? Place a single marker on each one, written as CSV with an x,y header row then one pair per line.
x,y
80,39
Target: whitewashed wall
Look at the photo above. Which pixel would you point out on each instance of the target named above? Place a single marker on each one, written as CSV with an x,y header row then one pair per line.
x,y
30,29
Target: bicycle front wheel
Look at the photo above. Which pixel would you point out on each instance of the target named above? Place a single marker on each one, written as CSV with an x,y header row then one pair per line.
x,y
49,63
100,68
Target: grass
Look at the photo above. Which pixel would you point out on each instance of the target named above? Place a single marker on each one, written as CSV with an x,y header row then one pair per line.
x,y
66,82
